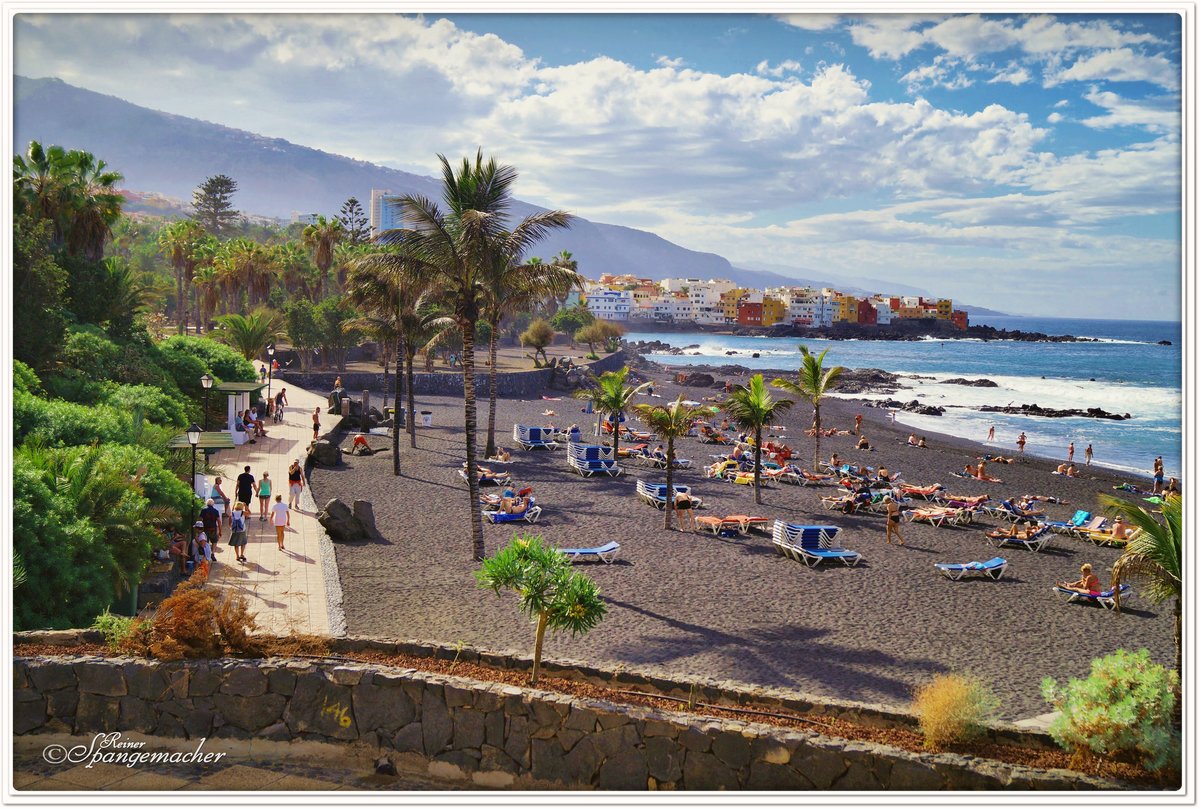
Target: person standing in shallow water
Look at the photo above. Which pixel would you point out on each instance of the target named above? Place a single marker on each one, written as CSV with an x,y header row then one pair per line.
x,y
1021,442
1071,452
992,433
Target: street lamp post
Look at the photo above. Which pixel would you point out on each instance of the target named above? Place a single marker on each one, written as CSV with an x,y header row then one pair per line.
x,y
206,382
193,437
270,371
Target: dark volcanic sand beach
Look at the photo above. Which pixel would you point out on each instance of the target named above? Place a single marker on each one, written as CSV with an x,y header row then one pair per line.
x,y
700,605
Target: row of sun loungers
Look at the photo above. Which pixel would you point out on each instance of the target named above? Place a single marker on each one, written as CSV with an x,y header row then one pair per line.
x,y
738,524
1035,541
534,437
592,459
655,494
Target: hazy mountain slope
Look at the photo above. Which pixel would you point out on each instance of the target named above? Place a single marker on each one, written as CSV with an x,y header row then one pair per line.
x,y
172,154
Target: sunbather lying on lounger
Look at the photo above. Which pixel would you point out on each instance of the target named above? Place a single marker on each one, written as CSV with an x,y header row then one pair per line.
x,y
1088,584
1014,530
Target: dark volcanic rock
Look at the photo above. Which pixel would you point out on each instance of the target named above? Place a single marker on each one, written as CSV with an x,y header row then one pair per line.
x,y
695,380
974,383
1045,412
909,407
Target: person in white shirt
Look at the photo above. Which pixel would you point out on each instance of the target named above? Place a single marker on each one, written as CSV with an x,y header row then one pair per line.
x,y
281,517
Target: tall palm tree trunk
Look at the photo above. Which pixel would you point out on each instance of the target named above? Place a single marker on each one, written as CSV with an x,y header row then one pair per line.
x,y
669,509
180,303
757,464
400,352
412,404
617,435
491,431
817,425
469,423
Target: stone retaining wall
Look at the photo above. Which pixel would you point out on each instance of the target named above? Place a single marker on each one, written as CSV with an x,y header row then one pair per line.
x,y
509,384
496,735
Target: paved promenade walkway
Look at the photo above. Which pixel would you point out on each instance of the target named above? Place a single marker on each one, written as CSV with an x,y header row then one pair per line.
x,y
285,588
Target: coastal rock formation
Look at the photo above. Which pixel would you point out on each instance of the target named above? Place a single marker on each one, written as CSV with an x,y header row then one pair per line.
x,y
974,383
909,407
1050,413
1164,342
866,380
695,380
346,525
325,453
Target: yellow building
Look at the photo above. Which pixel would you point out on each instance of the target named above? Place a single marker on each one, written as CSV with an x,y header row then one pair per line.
x,y
945,308
773,311
845,309
729,302
913,312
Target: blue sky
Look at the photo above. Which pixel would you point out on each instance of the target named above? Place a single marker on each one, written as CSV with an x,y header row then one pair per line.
x,y
1030,162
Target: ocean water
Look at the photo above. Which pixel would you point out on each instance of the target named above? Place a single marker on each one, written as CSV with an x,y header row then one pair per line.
x,y
1128,372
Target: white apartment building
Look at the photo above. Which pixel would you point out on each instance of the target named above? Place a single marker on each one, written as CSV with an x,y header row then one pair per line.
x,y
610,304
883,310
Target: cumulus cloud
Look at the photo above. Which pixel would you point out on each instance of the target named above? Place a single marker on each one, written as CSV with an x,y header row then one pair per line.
x,y
1013,74
811,22
949,74
1161,114
764,68
664,61
1121,64
1054,117
1062,102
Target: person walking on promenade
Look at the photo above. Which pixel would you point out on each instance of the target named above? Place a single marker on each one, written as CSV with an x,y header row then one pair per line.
x,y
992,433
1087,455
281,517
262,374
264,496
316,422
1071,452
295,484
212,521
244,491
892,526
237,534
1021,443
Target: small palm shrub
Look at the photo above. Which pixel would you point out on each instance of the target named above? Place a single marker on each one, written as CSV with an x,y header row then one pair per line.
x,y
553,594
953,708
1123,709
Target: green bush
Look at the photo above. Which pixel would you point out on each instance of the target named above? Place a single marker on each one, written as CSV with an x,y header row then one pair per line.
x,y
158,407
67,561
62,424
115,628
25,378
187,359
1125,708
89,351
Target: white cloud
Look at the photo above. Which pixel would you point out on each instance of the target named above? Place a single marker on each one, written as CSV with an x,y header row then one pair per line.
x,y
811,22
949,74
764,68
1054,117
1121,64
1062,102
890,36
1160,115
664,61
1013,74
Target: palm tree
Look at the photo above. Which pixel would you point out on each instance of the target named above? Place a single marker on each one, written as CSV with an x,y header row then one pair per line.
x,y
296,270
612,396
752,408
39,184
513,287
93,205
453,250
1154,557
668,423
178,242
321,236
813,383
249,334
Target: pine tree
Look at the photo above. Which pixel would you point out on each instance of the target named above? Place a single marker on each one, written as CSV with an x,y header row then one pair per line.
x,y
214,208
355,222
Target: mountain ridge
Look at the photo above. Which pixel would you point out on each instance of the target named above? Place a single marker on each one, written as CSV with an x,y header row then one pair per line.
x,y
170,155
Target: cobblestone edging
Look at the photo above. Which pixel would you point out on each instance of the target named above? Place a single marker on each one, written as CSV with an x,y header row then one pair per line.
x,y
494,735
519,384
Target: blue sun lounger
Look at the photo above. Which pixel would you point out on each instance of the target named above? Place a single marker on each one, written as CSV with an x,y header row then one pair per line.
x,y
1105,598
993,568
811,544
534,437
1034,542
656,494
530,514
605,553
1070,526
